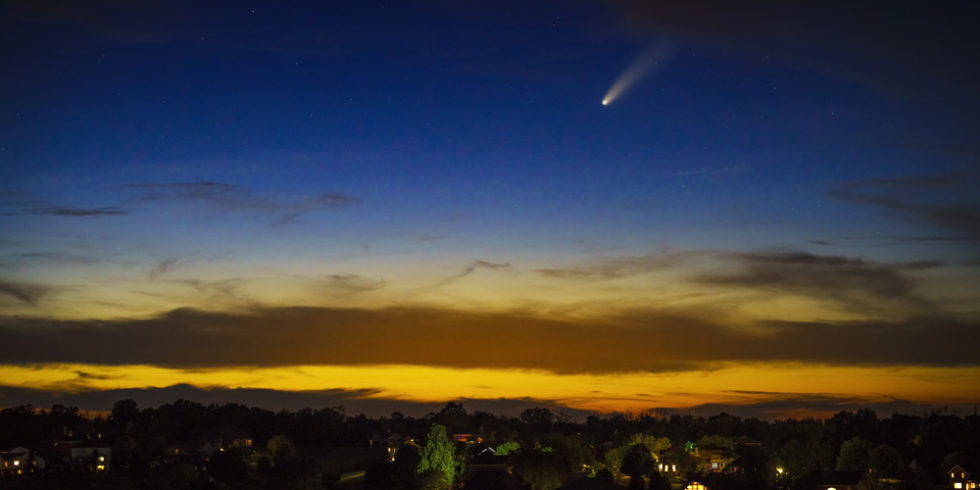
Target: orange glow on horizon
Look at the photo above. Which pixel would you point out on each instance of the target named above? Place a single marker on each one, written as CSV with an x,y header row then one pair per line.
x,y
736,384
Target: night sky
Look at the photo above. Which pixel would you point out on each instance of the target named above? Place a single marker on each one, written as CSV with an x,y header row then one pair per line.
x,y
388,205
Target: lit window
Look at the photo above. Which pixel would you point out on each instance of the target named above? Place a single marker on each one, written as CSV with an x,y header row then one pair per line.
x,y
100,467
101,458
957,485
832,488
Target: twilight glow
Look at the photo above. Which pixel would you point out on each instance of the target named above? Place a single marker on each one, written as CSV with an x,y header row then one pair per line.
x,y
269,206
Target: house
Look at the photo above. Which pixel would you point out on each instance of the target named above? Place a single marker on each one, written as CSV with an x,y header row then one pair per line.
x,y
959,479
392,442
714,460
853,480
20,461
86,456
486,460
468,438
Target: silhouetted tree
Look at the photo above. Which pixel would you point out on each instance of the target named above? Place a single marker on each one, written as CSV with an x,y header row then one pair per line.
x,y
885,462
854,454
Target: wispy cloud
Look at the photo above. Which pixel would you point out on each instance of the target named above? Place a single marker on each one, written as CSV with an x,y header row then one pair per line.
x,y
166,266
235,198
776,405
949,201
352,284
66,211
713,171
22,291
852,281
622,266
473,266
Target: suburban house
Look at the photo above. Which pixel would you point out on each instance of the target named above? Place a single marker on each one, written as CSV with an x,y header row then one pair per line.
x,y
19,461
959,479
86,456
486,460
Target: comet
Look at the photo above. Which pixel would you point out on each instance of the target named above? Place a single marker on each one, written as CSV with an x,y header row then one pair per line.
x,y
641,67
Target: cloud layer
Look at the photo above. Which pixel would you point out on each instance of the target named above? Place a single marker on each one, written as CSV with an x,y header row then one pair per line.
x,y
631,342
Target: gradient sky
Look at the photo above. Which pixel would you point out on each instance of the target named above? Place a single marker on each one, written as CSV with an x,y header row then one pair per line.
x,y
389,205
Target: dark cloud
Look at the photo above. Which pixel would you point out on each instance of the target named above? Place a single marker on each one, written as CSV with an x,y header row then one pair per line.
x,y
629,342
65,211
713,171
86,375
354,402
22,291
13,203
473,266
916,49
949,201
352,284
863,285
615,267
235,198
165,267
55,257
771,406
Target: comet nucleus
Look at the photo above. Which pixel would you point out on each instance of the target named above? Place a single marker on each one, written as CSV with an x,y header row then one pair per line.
x,y
641,67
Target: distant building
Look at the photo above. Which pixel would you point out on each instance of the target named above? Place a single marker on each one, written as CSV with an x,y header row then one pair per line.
x,y
470,438
86,456
486,460
959,479
19,462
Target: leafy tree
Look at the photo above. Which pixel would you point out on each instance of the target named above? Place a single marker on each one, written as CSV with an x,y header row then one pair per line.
x,y
542,470
404,472
122,451
508,448
281,448
432,480
885,461
637,463
124,410
539,419
654,445
854,454
438,454
658,482
716,442
753,461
